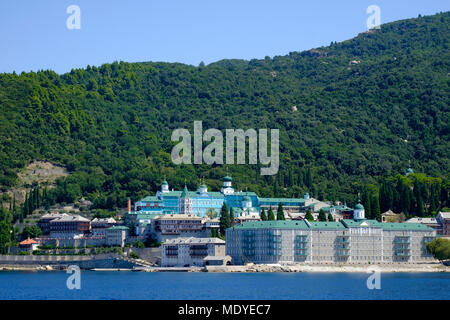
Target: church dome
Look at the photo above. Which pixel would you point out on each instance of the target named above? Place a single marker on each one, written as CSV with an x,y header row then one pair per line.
x,y
227,178
359,206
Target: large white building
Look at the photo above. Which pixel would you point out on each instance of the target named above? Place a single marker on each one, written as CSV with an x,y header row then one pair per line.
x,y
359,241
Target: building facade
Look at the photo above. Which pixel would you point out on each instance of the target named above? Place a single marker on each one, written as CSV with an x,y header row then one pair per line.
x,y
358,241
187,252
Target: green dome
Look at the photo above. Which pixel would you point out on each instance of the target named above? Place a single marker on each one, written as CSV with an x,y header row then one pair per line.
x,y
359,206
203,186
246,198
227,178
164,182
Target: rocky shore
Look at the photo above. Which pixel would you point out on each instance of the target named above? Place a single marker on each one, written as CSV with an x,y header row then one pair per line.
x,y
432,267
252,268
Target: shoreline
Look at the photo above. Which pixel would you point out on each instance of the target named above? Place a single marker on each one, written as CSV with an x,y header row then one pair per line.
x,y
256,268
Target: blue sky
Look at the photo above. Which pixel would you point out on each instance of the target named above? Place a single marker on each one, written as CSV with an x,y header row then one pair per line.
x,y
34,35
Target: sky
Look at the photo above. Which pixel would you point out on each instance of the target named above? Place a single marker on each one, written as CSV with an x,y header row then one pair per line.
x,y
34,34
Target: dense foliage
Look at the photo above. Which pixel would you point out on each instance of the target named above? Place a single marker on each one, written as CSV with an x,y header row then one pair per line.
x,y
350,115
439,248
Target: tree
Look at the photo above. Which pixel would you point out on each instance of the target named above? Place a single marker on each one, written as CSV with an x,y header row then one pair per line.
x,y
280,212
151,241
31,232
138,244
386,197
309,216
439,248
330,217
225,222
322,215
5,229
232,220
263,215
211,213
376,213
5,236
271,215
214,233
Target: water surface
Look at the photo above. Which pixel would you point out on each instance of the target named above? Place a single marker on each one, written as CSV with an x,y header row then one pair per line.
x,y
214,286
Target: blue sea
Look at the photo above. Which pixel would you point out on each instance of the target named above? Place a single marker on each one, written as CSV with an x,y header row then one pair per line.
x,y
215,286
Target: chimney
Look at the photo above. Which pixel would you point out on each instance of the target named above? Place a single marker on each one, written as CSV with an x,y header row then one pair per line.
x,y
129,205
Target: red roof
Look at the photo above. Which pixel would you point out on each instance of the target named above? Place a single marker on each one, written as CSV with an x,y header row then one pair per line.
x,y
28,242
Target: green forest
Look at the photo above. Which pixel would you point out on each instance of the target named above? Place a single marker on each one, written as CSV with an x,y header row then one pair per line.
x,y
353,116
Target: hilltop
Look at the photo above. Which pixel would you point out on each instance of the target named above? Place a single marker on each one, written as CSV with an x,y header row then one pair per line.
x,y
349,114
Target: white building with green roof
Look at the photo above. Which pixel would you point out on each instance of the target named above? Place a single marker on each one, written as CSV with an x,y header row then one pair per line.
x,y
358,241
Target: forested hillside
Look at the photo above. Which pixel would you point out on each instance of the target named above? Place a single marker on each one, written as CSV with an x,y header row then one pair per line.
x,y
350,115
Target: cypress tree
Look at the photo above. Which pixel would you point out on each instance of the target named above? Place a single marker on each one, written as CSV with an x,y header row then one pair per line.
x,y
365,200
376,212
232,221
330,217
263,215
25,207
309,216
14,205
308,178
224,219
420,210
322,215
280,212
386,197
271,215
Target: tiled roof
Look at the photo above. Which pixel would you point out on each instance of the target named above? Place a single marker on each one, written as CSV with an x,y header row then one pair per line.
x,y
192,240
445,215
362,223
28,242
302,224
281,200
76,218
281,224
119,228
194,194
326,225
421,220
150,198
397,226
104,220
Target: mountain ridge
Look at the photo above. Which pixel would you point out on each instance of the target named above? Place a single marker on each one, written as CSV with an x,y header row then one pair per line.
x,y
365,108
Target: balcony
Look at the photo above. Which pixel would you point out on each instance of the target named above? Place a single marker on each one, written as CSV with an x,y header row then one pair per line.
x,y
301,239
343,239
401,241
343,253
274,240
273,246
301,252
402,254
248,253
248,246
274,253
198,253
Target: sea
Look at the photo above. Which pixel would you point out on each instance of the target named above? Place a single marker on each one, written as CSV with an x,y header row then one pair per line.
x,y
123,285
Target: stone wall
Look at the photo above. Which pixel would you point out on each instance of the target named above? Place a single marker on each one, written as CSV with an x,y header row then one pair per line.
x,y
84,262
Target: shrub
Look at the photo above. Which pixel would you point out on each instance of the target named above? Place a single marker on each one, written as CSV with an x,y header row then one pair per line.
x,y
134,255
